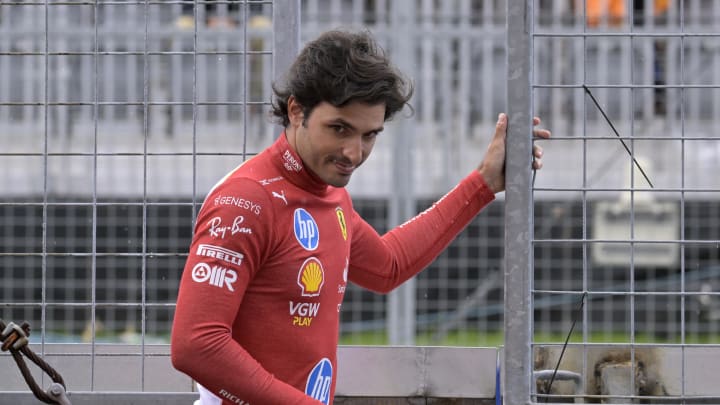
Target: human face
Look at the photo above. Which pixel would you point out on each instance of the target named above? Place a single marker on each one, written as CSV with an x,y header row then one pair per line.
x,y
334,141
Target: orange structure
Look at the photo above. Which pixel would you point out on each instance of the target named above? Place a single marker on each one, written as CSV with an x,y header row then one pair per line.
x,y
615,11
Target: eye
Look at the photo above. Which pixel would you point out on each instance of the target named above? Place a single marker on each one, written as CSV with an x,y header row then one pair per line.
x,y
338,128
371,135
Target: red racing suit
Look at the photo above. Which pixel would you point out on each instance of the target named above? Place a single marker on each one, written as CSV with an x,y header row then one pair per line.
x,y
258,307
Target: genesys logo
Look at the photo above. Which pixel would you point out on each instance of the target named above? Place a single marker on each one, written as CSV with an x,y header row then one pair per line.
x,y
220,253
306,229
214,275
239,202
311,277
319,381
219,230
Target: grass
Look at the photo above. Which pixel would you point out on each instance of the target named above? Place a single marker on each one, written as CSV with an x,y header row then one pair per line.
x,y
496,339
455,338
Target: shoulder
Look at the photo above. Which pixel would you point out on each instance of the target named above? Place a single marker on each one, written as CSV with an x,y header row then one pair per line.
x,y
238,192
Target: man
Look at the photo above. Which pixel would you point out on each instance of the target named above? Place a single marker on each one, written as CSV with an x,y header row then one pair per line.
x,y
277,239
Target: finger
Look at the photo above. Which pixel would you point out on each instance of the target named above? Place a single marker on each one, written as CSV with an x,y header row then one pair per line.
x,y
500,131
536,121
541,133
537,164
537,152
501,126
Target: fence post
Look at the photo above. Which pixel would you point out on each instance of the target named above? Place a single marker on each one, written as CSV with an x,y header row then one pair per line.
x,y
401,303
518,205
286,38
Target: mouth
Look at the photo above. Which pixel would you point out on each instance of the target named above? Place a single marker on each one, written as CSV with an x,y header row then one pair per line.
x,y
345,169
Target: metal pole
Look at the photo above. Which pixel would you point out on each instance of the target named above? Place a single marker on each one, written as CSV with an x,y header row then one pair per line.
x,y
286,38
401,302
518,205
286,35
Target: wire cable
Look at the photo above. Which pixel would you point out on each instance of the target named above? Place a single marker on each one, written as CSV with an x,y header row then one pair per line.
x,y
14,339
587,90
567,340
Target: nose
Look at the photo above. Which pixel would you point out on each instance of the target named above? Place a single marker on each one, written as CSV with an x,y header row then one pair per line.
x,y
353,150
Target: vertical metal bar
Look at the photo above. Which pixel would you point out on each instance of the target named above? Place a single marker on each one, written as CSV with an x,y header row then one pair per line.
x,y
43,286
202,59
427,85
28,112
222,65
602,67
715,100
357,12
558,72
683,94
693,109
462,99
286,37
381,11
401,302
62,77
5,46
336,10
245,79
130,69
715,111
626,61
175,87
109,67
518,204
487,65
633,98
312,12
579,116
143,257
585,267
444,76
194,115
86,92
93,260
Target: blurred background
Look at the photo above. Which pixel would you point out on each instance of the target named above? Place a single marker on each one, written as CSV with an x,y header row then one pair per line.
x,y
116,118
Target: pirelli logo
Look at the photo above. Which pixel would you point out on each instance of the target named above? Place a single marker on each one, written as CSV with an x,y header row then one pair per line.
x,y
220,253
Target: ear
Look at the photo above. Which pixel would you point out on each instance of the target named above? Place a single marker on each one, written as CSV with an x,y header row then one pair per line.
x,y
295,112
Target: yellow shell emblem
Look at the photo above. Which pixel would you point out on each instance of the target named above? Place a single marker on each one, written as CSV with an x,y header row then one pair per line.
x,y
311,277
341,219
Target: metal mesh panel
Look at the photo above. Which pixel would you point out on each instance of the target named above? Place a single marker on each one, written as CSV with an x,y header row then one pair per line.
x,y
623,249
118,116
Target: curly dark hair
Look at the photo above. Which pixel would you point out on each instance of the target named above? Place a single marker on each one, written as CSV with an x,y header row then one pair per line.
x,y
340,67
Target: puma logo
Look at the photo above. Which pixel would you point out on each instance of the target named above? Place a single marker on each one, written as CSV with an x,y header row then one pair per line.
x,y
281,196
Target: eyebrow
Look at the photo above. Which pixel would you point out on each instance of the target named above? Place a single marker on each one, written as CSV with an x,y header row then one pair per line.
x,y
352,127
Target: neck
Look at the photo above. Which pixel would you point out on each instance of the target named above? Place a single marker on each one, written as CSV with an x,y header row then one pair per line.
x,y
291,136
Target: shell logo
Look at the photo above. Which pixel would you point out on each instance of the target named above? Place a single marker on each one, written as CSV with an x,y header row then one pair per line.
x,y
311,277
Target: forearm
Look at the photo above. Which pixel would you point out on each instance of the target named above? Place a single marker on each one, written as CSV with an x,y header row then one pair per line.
x,y
409,248
206,352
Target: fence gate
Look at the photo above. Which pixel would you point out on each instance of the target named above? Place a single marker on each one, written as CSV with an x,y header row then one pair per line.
x,y
611,291
117,116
